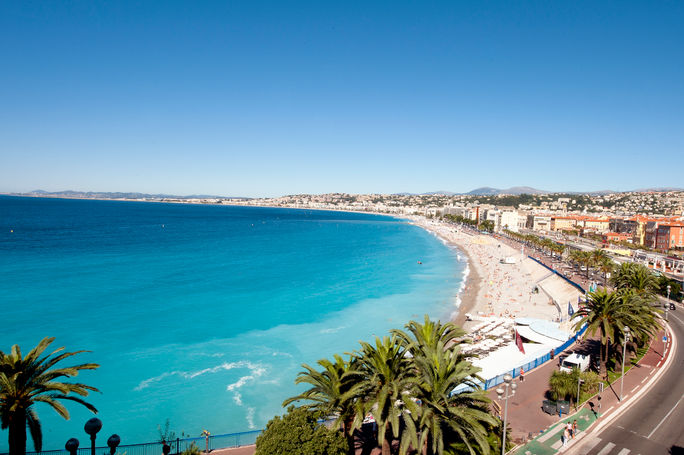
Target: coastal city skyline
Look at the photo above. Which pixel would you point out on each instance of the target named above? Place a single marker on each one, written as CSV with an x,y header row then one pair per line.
x,y
266,99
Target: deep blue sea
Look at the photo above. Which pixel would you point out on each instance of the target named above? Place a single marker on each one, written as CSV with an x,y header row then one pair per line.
x,y
203,314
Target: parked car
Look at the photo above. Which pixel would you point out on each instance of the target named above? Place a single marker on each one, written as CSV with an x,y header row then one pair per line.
x,y
575,360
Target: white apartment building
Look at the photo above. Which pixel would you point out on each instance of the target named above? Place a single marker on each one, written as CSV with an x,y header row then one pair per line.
x,y
541,223
512,220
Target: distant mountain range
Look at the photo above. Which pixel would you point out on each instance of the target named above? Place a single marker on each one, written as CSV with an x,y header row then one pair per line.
x,y
489,191
483,191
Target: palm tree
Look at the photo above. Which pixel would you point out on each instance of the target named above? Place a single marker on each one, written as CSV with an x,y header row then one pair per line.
x,y
25,381
603,313
453,407
640,316
334,390
598,255
606,266
562,385
446,416
581,258
428,336
388,378
637,278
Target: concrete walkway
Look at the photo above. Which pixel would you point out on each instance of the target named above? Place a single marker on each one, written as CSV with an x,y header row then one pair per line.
x,y
531,416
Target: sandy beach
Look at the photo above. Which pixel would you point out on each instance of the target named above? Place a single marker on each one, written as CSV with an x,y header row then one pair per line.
x,y
494,287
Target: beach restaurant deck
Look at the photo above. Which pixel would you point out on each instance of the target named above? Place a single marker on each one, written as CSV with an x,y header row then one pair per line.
x,y
495,351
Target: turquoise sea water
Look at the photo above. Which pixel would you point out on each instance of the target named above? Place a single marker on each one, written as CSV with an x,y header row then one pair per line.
x,y
204,314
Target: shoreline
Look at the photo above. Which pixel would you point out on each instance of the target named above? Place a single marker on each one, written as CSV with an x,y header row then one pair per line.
x,y
472,280
493,286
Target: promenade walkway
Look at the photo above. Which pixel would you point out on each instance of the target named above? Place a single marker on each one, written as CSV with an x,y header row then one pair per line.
x,y
525,414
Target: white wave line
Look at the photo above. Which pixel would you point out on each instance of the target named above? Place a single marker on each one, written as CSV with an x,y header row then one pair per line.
x,y
193,374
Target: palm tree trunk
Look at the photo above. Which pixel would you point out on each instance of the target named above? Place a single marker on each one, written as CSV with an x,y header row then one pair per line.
x,y
349,435
387,444
17,433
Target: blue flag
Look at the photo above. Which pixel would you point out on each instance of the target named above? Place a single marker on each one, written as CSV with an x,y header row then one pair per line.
x,y
571,311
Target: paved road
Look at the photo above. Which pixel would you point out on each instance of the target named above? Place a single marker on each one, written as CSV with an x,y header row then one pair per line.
x,y
655,424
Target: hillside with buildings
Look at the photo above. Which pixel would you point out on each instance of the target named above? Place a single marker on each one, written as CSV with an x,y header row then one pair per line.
x,y
651,220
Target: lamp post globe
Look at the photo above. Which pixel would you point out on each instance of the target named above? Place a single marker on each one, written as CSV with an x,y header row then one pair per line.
x,y
113,442
72,446
91,427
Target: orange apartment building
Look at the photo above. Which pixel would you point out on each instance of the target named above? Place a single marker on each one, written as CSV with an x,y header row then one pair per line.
x,y
616,237
669,236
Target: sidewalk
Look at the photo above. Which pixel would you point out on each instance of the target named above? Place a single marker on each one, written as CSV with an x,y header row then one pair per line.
x,y
532,416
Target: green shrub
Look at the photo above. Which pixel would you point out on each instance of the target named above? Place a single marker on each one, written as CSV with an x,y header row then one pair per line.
x,y
192,449
299,433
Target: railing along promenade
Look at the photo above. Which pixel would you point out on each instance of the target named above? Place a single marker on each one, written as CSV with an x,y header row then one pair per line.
x,y
219,441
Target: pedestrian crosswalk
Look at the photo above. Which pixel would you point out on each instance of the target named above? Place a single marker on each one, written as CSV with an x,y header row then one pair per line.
x,y
606,449
595,446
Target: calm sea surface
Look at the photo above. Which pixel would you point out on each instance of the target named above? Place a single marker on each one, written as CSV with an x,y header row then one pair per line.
x,y
204,314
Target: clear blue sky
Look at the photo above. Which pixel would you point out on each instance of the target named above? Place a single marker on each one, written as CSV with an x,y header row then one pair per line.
x,y
263,99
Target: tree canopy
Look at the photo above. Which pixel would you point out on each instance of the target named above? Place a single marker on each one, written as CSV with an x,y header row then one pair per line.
x,y
299,433
34,378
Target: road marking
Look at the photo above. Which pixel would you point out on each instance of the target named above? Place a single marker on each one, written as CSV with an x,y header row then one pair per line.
x,y
624,452
586,448
608,410
606,449
664,418
644,380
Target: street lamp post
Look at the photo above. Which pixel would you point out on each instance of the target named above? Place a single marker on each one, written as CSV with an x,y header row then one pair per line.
x,y
624,352
91,427
667,304
579,381
505,394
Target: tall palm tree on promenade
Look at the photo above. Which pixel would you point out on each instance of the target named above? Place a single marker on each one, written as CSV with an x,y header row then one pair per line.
x,y
334,390
610,312
606,266
637,278
25,381
388,379
640,316
582,258
605,314
598,255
